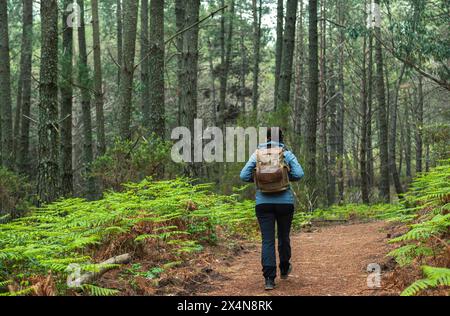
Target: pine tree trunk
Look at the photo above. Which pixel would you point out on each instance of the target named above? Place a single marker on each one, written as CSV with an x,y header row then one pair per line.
x,y
119,19
25,70
382,118
257,19
85,83
408,141
370,159
244,65
312,119
188,93
341,103
299,78
393,136
130,17
284,89
145,65
5,91
48,149
279,47
364,123
419,126
157,51
98,81
180,12
66,105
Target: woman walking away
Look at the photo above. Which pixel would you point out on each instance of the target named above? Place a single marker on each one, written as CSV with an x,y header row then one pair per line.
x,y
272,167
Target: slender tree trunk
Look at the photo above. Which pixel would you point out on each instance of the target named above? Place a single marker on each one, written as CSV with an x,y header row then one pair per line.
x,y
85,83
323,171
145,65
341,102
188,93
98,81
364,123
284,89
119,39
370,159
279,47
180,12
408,150
66,105
257,19
419,127
393,136
26,66
299,76
5,90
244,64
157,51
226,45
313,84
130,17
332,132
382,118
48,151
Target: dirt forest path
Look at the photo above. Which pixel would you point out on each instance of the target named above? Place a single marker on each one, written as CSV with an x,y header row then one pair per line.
x,y
330,261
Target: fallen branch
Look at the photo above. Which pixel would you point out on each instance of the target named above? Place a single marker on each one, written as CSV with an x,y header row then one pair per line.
x,y
90,276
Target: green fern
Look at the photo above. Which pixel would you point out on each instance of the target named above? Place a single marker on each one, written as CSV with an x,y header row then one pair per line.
x,y
98,291
435,277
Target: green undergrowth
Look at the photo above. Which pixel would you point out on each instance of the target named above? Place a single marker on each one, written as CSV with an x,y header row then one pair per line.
x,y
426,211
181,215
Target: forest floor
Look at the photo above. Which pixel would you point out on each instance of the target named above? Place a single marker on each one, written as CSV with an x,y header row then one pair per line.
x,y
329,260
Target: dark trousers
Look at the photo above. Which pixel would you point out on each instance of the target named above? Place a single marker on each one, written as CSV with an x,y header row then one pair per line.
x,y
268,215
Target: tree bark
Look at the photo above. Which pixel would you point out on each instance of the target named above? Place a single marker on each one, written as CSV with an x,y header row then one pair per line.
x,y
145,65
382,118
98,81
419,126
85,83
364,123
119,19
341,103
257,19
157,79
5,91
48,150
393,135
130,17
180,12
25,72
284,89
66,105
299,78
279,47
313,84
189,82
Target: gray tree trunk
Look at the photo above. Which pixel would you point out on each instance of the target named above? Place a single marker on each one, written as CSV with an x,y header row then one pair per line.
x,y
382,119
26,66
312,119
145,65
284,89
130,18
257,19
48,149
66,105
189,73
279,47
5,91
98,81
157,79
85,83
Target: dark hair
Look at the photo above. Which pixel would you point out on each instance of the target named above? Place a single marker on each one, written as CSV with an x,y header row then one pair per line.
x,y
275,131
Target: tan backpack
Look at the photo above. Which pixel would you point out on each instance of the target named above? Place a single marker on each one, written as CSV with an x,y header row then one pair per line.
x,y
271,173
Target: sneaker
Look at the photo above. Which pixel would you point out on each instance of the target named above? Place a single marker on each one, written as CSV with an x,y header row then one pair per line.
x,y
270,284
286,275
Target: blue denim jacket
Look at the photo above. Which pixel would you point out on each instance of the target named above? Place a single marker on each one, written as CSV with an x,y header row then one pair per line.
x,y
296,174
